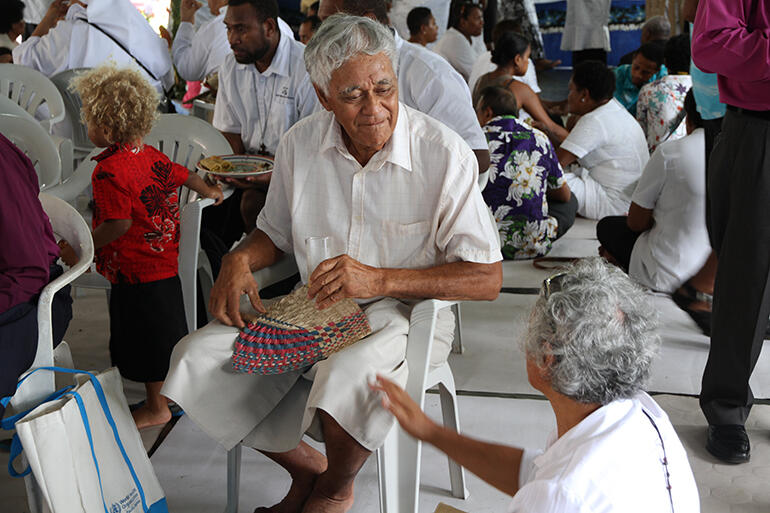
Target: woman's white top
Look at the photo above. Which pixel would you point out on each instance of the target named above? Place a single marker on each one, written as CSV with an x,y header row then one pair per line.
x,y
673,186
484,65
611,462
7,42
73,43
587,25
458,51
609,144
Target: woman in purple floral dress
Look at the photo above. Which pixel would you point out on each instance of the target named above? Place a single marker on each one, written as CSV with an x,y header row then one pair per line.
x,y
530,200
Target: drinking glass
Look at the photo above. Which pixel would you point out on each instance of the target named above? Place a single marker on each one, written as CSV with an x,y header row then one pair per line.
x,y
317,249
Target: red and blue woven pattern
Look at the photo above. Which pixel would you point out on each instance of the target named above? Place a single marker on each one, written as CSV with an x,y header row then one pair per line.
x,y
271,346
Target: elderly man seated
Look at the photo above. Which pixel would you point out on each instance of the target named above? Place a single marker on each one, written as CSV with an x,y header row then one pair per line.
x,y
589,347
397,191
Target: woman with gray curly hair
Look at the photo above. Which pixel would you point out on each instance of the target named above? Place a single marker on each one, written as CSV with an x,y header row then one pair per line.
x,y
589,347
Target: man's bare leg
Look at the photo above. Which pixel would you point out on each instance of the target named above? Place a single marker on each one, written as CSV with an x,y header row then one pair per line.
x,y
304,464
333,491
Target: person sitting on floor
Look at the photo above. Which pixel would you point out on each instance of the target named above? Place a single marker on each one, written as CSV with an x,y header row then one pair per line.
x,y
663,240
28,255
136,229
422,26
89,36
307,28
511,55
655,30
457,44
646,67
397,191
484,64
605,151
590,343
523,173
661,103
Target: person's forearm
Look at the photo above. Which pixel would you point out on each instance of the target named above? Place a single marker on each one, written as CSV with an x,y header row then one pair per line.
x,y
723,42
256,250
482,157
455,281
109,231
496,464
236,143
197,184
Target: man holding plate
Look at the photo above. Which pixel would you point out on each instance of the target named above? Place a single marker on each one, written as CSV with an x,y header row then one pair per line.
x,y
396,190
263,90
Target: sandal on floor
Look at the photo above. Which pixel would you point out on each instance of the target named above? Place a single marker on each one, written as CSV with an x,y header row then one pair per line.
x,y
685,296
176,410
542,262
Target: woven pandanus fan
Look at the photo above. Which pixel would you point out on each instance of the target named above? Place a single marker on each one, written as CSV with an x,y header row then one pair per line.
x,y
294,334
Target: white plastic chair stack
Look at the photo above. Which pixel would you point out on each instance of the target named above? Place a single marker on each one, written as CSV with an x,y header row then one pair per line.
x,y
68,224
74,126
398,460
34,141
184,140
31,90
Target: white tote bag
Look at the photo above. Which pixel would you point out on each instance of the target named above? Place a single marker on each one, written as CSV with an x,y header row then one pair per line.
x,y
85,451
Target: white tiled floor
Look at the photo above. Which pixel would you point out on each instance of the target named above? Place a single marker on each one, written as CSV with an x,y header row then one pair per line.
x,y
496,404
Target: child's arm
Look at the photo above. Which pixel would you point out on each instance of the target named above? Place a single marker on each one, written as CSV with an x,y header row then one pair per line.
x,y
110,230
197,184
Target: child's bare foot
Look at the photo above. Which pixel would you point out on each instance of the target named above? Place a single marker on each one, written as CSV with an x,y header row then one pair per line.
x,y
144,417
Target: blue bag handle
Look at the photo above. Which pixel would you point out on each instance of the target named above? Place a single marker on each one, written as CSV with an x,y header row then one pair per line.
x,y
107,413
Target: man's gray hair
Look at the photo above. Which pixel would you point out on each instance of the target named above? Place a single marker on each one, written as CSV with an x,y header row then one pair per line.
x,y
658,28
600,329
342,37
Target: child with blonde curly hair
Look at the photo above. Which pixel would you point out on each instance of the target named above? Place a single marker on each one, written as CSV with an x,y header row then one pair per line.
x,y
136,229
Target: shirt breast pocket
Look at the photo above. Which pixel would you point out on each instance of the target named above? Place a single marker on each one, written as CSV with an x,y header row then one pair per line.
x,y
408,245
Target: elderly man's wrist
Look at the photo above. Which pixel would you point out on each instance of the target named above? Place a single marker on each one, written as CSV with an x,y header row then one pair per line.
x,y
237,257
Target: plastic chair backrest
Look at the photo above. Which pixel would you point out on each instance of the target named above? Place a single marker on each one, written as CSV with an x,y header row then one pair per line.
x,y
69,225
8,106
31,89
36,143
72,105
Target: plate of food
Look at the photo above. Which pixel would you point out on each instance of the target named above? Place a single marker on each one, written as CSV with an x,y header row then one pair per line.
x,y
236,165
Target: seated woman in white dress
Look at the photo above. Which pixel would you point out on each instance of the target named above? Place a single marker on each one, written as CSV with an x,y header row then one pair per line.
x,y
663,241
605,151
511,56
659,108
589,346
461,45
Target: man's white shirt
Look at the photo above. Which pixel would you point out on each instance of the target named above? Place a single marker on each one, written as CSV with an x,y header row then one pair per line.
x,y
428,83
458,51
73,43
484,65
197,54
415,204
261,107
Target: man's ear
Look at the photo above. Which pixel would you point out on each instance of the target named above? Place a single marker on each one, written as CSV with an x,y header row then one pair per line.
x,y
322,98
270,26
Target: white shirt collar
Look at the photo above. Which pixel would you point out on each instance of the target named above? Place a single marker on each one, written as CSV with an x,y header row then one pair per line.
x,y
396,151
281,63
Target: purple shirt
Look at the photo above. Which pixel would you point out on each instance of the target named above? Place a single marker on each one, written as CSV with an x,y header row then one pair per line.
x,y
732,38
27,244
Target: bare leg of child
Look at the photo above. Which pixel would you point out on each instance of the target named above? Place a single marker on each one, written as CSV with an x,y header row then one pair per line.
x,y
155,411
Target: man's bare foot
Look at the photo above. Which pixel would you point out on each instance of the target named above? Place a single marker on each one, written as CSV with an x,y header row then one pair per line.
x,y
304,476
144,417
319,502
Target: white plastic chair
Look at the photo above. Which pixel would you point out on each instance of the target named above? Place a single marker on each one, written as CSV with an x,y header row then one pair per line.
x,y
36,143
185,140
77,130
398,460
68,224
31,89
